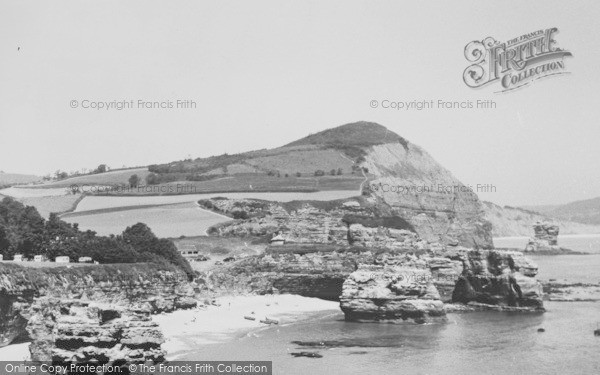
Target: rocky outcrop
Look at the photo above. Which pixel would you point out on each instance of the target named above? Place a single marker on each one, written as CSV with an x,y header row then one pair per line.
x,y
545,238
80,331
545,241
128,285
391,294
299,222
501,278
415,187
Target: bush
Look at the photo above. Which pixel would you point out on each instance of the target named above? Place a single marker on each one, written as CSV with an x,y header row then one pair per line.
x,y
239,214
319,173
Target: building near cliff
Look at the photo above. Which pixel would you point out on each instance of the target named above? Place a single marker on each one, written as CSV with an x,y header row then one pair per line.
x,y
40,258
277,240
188,250
62,259
18,258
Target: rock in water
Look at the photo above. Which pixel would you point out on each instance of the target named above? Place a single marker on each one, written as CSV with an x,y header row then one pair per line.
x,y
545,240
306,354
391,294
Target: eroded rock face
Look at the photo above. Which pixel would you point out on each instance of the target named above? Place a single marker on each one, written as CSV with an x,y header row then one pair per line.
x,y
418,189
79,331
304,222
132,285
504,278
501,278
391,294
545,239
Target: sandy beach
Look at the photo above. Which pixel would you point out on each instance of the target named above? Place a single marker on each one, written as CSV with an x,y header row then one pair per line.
x,y
186,330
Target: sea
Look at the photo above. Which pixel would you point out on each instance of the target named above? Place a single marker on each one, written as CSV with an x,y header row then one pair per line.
x,y
468,343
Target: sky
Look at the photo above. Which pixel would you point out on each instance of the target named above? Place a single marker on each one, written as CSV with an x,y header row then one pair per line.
x,y
265,73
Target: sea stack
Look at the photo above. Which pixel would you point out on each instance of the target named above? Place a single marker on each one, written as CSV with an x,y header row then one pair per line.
x,y
545,238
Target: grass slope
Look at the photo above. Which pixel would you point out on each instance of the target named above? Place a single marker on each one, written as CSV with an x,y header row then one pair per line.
x,y
15,178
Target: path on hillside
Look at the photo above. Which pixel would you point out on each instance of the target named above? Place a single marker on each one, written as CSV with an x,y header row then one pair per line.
x,y
360,188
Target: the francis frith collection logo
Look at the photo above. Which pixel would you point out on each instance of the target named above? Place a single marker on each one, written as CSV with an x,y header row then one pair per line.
x,y
515,63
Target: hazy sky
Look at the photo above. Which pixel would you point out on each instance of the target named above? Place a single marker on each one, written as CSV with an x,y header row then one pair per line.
x,y
264,73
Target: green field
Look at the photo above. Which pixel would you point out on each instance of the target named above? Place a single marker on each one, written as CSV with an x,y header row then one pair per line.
x,y
172,220
92,203
111,178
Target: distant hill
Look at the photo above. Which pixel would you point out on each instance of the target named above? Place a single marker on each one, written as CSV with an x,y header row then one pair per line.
x,y
16,179
584,211
361,155
513,221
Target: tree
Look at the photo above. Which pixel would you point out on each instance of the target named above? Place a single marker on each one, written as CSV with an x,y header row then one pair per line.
x,y
143,241
298,174
319,173
332,172
152,179
339,171
240,214
101,168
134,180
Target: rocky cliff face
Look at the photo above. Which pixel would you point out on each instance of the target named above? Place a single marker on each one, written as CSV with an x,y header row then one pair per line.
x,y
391,294
404,181
131,285
356,222
493,277
418,189
80,331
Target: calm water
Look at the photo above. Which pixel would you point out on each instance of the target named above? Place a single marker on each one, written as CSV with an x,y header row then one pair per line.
x,y
470,343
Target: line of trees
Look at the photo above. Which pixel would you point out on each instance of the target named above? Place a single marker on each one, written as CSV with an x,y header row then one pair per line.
x,y
24,231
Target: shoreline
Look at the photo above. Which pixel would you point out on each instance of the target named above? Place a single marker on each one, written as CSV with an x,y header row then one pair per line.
x,y
186,330
223,319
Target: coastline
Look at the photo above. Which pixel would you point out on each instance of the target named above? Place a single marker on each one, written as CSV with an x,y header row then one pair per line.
x,y
186,330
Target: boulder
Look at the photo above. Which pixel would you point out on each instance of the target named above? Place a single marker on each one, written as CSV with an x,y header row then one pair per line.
x,y
391,294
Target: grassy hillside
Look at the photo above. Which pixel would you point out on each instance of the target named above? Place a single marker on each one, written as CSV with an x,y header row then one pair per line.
x,y
120,177
327,160
584,211
512,221
360,133
15,178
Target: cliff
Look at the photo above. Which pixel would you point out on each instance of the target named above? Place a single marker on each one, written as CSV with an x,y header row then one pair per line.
x,y
513,221
399,177
149,286
65,331
391,294
419,190
491,277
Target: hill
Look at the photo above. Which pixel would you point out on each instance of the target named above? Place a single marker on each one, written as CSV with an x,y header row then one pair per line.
x,y
399,178
584,211
513,221
7,179
361,134
116,177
